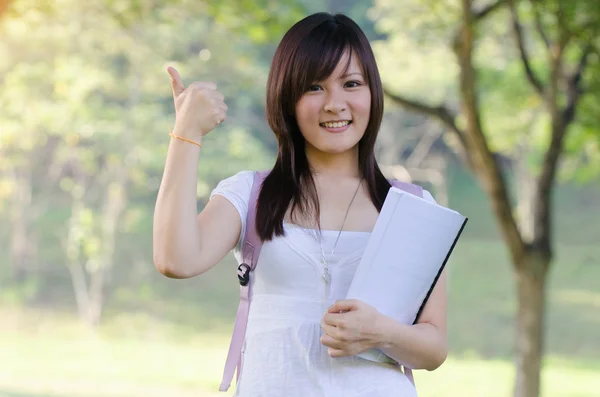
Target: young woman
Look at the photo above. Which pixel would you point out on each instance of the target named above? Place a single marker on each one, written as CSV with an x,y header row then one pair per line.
x,y
317,206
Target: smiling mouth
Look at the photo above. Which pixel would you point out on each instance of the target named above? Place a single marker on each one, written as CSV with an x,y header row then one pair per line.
x,y
336,124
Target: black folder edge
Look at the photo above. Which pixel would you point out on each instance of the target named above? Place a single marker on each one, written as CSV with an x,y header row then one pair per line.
x,y
440,271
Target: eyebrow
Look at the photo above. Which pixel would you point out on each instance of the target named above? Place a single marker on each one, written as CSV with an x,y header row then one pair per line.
x,y
350,74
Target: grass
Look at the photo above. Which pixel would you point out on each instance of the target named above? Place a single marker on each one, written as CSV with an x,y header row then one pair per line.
x,y
84,365
55,366
177,347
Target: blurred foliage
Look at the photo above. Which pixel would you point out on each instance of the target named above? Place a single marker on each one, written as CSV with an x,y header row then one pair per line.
x,y
85,108
417,59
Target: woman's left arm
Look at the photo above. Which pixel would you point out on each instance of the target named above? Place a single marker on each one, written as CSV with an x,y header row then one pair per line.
x,y
423,345
361,327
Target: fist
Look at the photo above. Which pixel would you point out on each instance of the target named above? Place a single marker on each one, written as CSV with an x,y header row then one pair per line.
x,y
199,108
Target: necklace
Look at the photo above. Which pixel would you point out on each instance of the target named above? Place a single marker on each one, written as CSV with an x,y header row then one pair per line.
x,y
326,274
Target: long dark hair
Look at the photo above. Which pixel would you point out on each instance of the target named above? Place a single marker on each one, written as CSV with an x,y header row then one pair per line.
x,y
309,52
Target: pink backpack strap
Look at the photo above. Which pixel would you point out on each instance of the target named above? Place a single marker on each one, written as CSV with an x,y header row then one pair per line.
x,y
250,251
407,187
417,191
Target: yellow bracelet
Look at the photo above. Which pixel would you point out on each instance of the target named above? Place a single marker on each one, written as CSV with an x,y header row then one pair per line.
x,y
184,139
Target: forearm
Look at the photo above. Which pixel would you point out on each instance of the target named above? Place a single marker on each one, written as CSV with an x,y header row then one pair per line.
x,y
175,226
419,346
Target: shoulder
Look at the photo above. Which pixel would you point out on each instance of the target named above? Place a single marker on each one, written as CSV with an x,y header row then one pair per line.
x,y
241,180
237,190
239,185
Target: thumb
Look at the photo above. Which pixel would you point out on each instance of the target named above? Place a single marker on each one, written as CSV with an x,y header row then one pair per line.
x,y
176,82
343,306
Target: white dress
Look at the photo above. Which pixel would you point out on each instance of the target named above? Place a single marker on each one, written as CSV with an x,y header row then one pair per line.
x,y
282,354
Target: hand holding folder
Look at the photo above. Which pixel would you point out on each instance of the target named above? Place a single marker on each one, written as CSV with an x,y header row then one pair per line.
x,y
405,255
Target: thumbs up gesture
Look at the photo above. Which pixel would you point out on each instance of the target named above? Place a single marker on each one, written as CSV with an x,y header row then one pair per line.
x,y
199,108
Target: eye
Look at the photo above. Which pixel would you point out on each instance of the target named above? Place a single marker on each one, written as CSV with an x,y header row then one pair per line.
x,y
353,84
314,87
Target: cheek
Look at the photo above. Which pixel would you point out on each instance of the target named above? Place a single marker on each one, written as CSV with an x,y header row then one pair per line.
x,y
307,111
364,106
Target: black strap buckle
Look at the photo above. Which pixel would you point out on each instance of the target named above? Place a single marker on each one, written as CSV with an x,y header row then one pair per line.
x,y
244,274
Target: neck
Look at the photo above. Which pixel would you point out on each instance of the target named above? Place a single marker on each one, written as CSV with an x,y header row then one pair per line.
x,y
338,165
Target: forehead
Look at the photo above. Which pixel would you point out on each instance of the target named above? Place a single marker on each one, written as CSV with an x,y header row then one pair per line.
x,y
349,63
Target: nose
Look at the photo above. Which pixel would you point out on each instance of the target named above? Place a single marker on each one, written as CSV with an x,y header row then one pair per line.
x,y
334,103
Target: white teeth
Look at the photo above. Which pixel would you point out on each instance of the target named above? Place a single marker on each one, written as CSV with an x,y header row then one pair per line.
x,y
337,124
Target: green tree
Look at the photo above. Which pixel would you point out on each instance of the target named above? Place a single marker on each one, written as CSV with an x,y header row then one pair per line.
x,y
524,58
86,107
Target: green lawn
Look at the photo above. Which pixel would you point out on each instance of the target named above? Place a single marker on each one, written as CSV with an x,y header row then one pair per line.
x,y
177,348
55,366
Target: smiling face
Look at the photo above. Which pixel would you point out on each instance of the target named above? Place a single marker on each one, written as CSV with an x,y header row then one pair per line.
x,y
333,114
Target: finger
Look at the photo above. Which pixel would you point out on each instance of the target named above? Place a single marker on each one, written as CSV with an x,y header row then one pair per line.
x,y
204,84
176,82
218,102
217,95
334,319
334,353
220,116
343,306
223,106
330,341
332,331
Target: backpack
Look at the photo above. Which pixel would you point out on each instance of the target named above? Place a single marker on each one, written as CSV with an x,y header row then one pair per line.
x,y
250,250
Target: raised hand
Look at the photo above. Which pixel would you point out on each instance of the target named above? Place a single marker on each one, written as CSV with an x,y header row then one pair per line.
x,y
199,108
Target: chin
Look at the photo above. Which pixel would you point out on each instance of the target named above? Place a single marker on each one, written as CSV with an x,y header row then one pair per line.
x,y
335,144
337,149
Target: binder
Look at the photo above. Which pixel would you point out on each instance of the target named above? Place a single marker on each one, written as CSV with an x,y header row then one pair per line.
x,y
407,251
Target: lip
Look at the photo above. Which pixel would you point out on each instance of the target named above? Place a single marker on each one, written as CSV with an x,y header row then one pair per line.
x,y
336,121
338,129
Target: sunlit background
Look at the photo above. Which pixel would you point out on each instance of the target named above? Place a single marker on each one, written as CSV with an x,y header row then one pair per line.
x,y
85,109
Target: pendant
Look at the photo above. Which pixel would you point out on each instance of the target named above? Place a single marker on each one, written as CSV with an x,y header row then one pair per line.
x,y
326,276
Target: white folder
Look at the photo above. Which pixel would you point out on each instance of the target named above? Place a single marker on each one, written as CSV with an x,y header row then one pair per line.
x,y
407,251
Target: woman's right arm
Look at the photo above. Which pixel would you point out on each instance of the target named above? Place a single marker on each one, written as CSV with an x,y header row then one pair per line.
x,y
185,244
